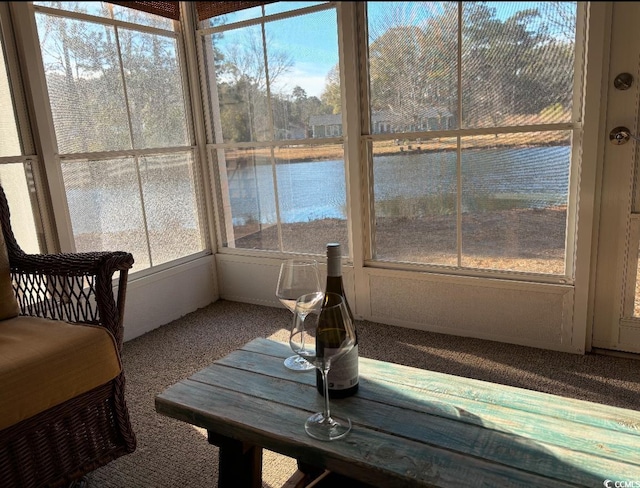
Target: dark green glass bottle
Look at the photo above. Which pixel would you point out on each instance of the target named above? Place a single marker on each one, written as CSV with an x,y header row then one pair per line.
x,y
343,375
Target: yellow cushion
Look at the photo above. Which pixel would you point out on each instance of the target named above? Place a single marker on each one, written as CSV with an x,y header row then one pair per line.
x,y
8,304
46,362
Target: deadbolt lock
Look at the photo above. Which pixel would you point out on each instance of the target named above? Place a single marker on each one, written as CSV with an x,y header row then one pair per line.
x,y
621,135
623,81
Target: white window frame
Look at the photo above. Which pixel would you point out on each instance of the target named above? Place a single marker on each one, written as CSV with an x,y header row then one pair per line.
x,y
215,144
358,158
367,137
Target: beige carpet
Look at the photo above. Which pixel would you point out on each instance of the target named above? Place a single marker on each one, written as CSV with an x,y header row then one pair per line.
x,y
174,454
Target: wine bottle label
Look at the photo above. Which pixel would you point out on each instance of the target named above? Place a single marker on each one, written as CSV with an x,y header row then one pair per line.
x,y
343,373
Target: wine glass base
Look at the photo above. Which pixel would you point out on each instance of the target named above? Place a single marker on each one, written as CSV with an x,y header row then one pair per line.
x,y
296,363
327,429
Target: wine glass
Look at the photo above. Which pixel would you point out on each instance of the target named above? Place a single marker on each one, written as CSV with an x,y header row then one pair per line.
x,y
322,333
298,277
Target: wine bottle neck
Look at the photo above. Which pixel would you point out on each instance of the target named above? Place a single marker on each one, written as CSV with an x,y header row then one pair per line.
x,y
334,285
334,268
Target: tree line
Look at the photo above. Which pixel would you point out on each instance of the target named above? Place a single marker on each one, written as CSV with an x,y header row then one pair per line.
x,y
514,69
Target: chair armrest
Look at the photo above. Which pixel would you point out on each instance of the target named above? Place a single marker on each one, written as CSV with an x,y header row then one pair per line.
x,y
72,264
75,287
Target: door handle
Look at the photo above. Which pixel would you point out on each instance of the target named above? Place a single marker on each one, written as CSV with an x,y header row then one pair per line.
x,y
621,135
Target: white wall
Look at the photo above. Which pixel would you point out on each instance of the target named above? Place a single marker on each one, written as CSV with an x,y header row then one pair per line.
x,y
531,314
156,300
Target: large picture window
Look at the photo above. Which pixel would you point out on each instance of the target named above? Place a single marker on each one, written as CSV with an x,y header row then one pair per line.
x,y
120,116
280,162
471,121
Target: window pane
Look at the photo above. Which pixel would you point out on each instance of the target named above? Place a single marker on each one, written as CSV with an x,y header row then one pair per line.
x,y
248,176
85,85
14,181
514,201
413,50
311,199
242,85
299,74
106,208
298,68
105,205
151,77
9,138
517,62
170,206
415,201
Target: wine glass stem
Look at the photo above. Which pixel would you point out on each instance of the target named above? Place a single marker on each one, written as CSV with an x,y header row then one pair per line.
x,y
304,336
327,413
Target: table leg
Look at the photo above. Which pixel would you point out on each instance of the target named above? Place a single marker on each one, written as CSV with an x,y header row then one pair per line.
x,y
311,471
240,463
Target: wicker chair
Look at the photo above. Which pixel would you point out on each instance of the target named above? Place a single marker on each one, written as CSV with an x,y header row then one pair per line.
x,y
63,443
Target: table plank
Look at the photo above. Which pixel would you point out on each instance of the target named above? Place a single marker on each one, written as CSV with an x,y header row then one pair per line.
x,y
412,426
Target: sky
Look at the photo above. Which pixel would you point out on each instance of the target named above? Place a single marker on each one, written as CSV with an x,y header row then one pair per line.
x,y
311,40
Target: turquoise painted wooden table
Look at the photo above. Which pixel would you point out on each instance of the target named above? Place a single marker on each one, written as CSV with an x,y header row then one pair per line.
x,y
411,427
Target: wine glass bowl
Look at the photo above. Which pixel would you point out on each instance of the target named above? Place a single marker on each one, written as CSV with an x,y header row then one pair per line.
x,y
298,277
322,332
304,337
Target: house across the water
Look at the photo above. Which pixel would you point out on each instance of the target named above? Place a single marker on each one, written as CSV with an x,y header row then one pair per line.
x,y
387,121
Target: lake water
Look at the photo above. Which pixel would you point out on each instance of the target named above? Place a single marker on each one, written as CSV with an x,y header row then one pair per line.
x,y
531,177
307,191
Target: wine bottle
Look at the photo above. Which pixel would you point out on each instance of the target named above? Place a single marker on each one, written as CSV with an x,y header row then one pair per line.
x,y
343,375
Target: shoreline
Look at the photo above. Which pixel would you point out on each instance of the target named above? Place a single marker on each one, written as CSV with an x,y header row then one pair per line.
x,y
298,153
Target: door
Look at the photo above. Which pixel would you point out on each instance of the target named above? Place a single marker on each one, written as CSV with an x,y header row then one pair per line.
x,y
616,312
